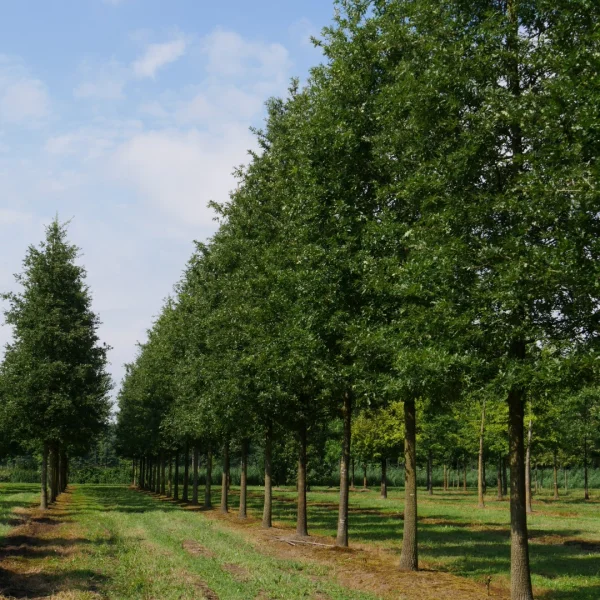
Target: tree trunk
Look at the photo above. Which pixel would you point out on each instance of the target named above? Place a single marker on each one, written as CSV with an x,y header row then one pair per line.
x,y
365,476
163,478
528,504
409,556
186,473
301,520
429,474
384,477
176,477
225,479
195,466
445,482
244,481
555,468
53,472
520,572
465,476
342,530
170,476
208,482
480,471
268,503
44,482
63,475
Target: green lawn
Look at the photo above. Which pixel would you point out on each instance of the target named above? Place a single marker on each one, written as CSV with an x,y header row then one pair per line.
x,y
456,536
112,542
14,496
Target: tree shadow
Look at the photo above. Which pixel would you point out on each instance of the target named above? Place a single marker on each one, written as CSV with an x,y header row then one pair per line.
x,y
40,585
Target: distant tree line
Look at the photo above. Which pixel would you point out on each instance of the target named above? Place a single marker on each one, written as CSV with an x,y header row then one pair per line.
x,y
414,250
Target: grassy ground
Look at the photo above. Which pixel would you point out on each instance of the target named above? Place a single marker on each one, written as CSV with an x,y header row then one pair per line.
x,y
456,536
112,542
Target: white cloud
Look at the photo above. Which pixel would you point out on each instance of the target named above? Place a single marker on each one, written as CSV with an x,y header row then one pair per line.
x,y
92,141
180,172
9,216
303,30
103,82
23,98
157,56
230,55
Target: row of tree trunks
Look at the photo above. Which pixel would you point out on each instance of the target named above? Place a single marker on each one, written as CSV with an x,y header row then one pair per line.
x,y
54,476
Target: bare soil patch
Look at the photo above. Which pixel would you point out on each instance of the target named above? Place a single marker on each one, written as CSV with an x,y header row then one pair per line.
x,y
195,549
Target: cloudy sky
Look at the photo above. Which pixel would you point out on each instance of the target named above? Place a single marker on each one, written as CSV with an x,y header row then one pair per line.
x,y
128,116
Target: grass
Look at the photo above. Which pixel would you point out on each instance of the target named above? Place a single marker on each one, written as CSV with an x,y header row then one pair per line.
x,y
112,542
456,536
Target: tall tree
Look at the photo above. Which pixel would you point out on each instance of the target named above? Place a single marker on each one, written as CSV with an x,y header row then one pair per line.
x,y
55,367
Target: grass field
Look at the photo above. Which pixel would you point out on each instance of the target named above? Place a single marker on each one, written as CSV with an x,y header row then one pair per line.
x,y
113,542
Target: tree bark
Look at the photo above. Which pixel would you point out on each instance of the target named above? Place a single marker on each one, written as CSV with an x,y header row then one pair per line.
x,y
195,457
44,481
409,560
268,502
170,485
301,520
163,482
208,482
520,572
225,479
176,477
186,473
384,477
342,530
465,476
244,481
480,471
365,476
528,503
62,473
445,478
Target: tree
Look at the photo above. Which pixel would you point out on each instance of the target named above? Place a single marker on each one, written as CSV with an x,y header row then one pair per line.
x,y
56,384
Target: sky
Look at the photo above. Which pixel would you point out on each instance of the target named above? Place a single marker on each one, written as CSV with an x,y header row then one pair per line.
x,y
127,117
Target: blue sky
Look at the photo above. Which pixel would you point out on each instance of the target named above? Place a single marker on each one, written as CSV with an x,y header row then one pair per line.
x,y
128,116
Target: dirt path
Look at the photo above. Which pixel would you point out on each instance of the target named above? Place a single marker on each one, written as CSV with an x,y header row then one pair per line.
x,y
361,567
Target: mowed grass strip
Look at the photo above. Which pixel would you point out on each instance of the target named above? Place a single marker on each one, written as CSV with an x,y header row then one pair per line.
x,y
458,537
130,545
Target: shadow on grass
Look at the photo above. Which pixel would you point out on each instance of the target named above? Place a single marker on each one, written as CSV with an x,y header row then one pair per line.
x,y
40,585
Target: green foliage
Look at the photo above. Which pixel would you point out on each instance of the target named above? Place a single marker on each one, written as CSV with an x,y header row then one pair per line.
x,y
54,383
